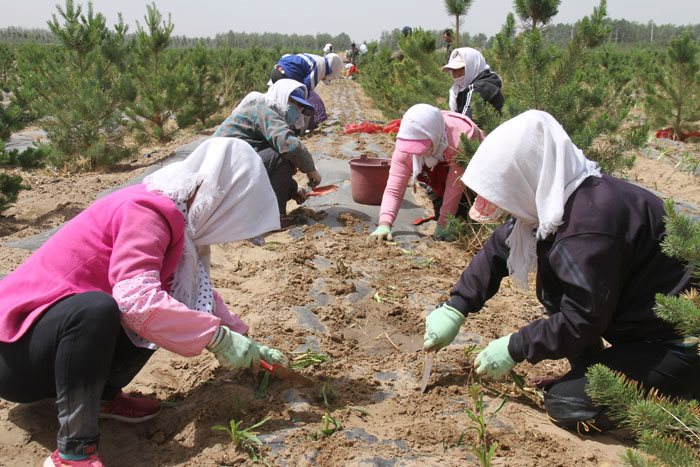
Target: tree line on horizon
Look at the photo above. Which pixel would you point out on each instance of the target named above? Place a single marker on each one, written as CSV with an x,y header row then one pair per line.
x,y
622,32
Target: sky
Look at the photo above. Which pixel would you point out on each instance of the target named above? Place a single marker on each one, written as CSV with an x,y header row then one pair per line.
x,y
360,19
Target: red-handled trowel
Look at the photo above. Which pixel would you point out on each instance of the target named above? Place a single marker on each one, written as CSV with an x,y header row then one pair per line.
x,y
286,374
322,190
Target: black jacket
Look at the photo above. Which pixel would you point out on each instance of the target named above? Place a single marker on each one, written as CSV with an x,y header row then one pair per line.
x,y
596,276
488,85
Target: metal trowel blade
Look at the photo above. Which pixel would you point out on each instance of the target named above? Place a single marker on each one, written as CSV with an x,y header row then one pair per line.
x,y
427,368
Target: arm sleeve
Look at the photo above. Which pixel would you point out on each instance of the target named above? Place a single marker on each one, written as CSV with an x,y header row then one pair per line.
x,y
482,277
228,318
453,193
283,140
134,272
399,174
154,315
588,268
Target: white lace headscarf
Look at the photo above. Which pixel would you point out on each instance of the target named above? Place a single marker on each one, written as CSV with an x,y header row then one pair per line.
x,y
234,201
277,95
423,121
474,65
529,167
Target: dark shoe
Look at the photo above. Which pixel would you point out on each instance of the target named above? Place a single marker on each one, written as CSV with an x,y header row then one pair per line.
x,y
577,414
130,409
286,223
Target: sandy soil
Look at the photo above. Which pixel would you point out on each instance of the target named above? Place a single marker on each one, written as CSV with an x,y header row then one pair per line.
x,y
327,290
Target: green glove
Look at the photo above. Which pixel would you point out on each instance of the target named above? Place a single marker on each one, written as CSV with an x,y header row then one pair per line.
x,y
495,360
441,327
442,233
271,355
382,232
234,351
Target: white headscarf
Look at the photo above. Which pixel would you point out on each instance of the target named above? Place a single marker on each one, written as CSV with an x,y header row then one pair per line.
x,y
277,95
529,167
336,65
234,201
423,121
474,65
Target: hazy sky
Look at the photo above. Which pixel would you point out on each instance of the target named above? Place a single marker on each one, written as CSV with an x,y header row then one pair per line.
x,y
361,19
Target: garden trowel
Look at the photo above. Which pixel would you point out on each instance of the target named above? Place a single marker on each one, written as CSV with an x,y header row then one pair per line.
x,y
322,190
427,368
286,374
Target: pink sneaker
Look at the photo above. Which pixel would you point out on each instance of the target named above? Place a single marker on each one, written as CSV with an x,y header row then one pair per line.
x,y
54,460
130,409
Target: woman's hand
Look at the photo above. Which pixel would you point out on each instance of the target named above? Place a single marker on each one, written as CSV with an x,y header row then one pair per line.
x,y
495,360
441,327
382,232
234,351
238,352
272,356
314,178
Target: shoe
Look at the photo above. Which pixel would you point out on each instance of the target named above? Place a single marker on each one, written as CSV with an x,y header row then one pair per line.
x,y
286,223
54,460
130,409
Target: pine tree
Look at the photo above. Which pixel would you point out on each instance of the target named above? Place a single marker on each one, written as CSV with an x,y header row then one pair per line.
x,y
7,64
158,78
458,9
565,83
10,185
78,90
414,78
202,99
668,430
673,94
534,12
10,120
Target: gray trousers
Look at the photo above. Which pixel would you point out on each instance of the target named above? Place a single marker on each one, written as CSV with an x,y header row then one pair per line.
x,y
280,172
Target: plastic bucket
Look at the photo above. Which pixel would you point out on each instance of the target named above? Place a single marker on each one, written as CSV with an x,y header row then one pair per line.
x,y
368,176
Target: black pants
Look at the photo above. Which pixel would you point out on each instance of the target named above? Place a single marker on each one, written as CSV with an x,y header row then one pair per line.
x,y
462,208
280,172
670,369
78,353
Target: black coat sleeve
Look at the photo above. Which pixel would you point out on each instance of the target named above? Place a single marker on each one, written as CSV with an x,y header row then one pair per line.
x,y
589,270
482,277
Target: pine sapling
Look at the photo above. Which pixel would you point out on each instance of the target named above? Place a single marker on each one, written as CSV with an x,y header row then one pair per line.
x,y
482,448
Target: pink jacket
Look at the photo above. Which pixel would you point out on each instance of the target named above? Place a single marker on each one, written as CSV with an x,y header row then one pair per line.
x,y
128,233
402,168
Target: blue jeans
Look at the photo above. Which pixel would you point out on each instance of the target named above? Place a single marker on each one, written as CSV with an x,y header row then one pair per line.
x,y
78,353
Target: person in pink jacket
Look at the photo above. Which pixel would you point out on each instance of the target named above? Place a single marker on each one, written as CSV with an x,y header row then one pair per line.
x,y
83,314
426,145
